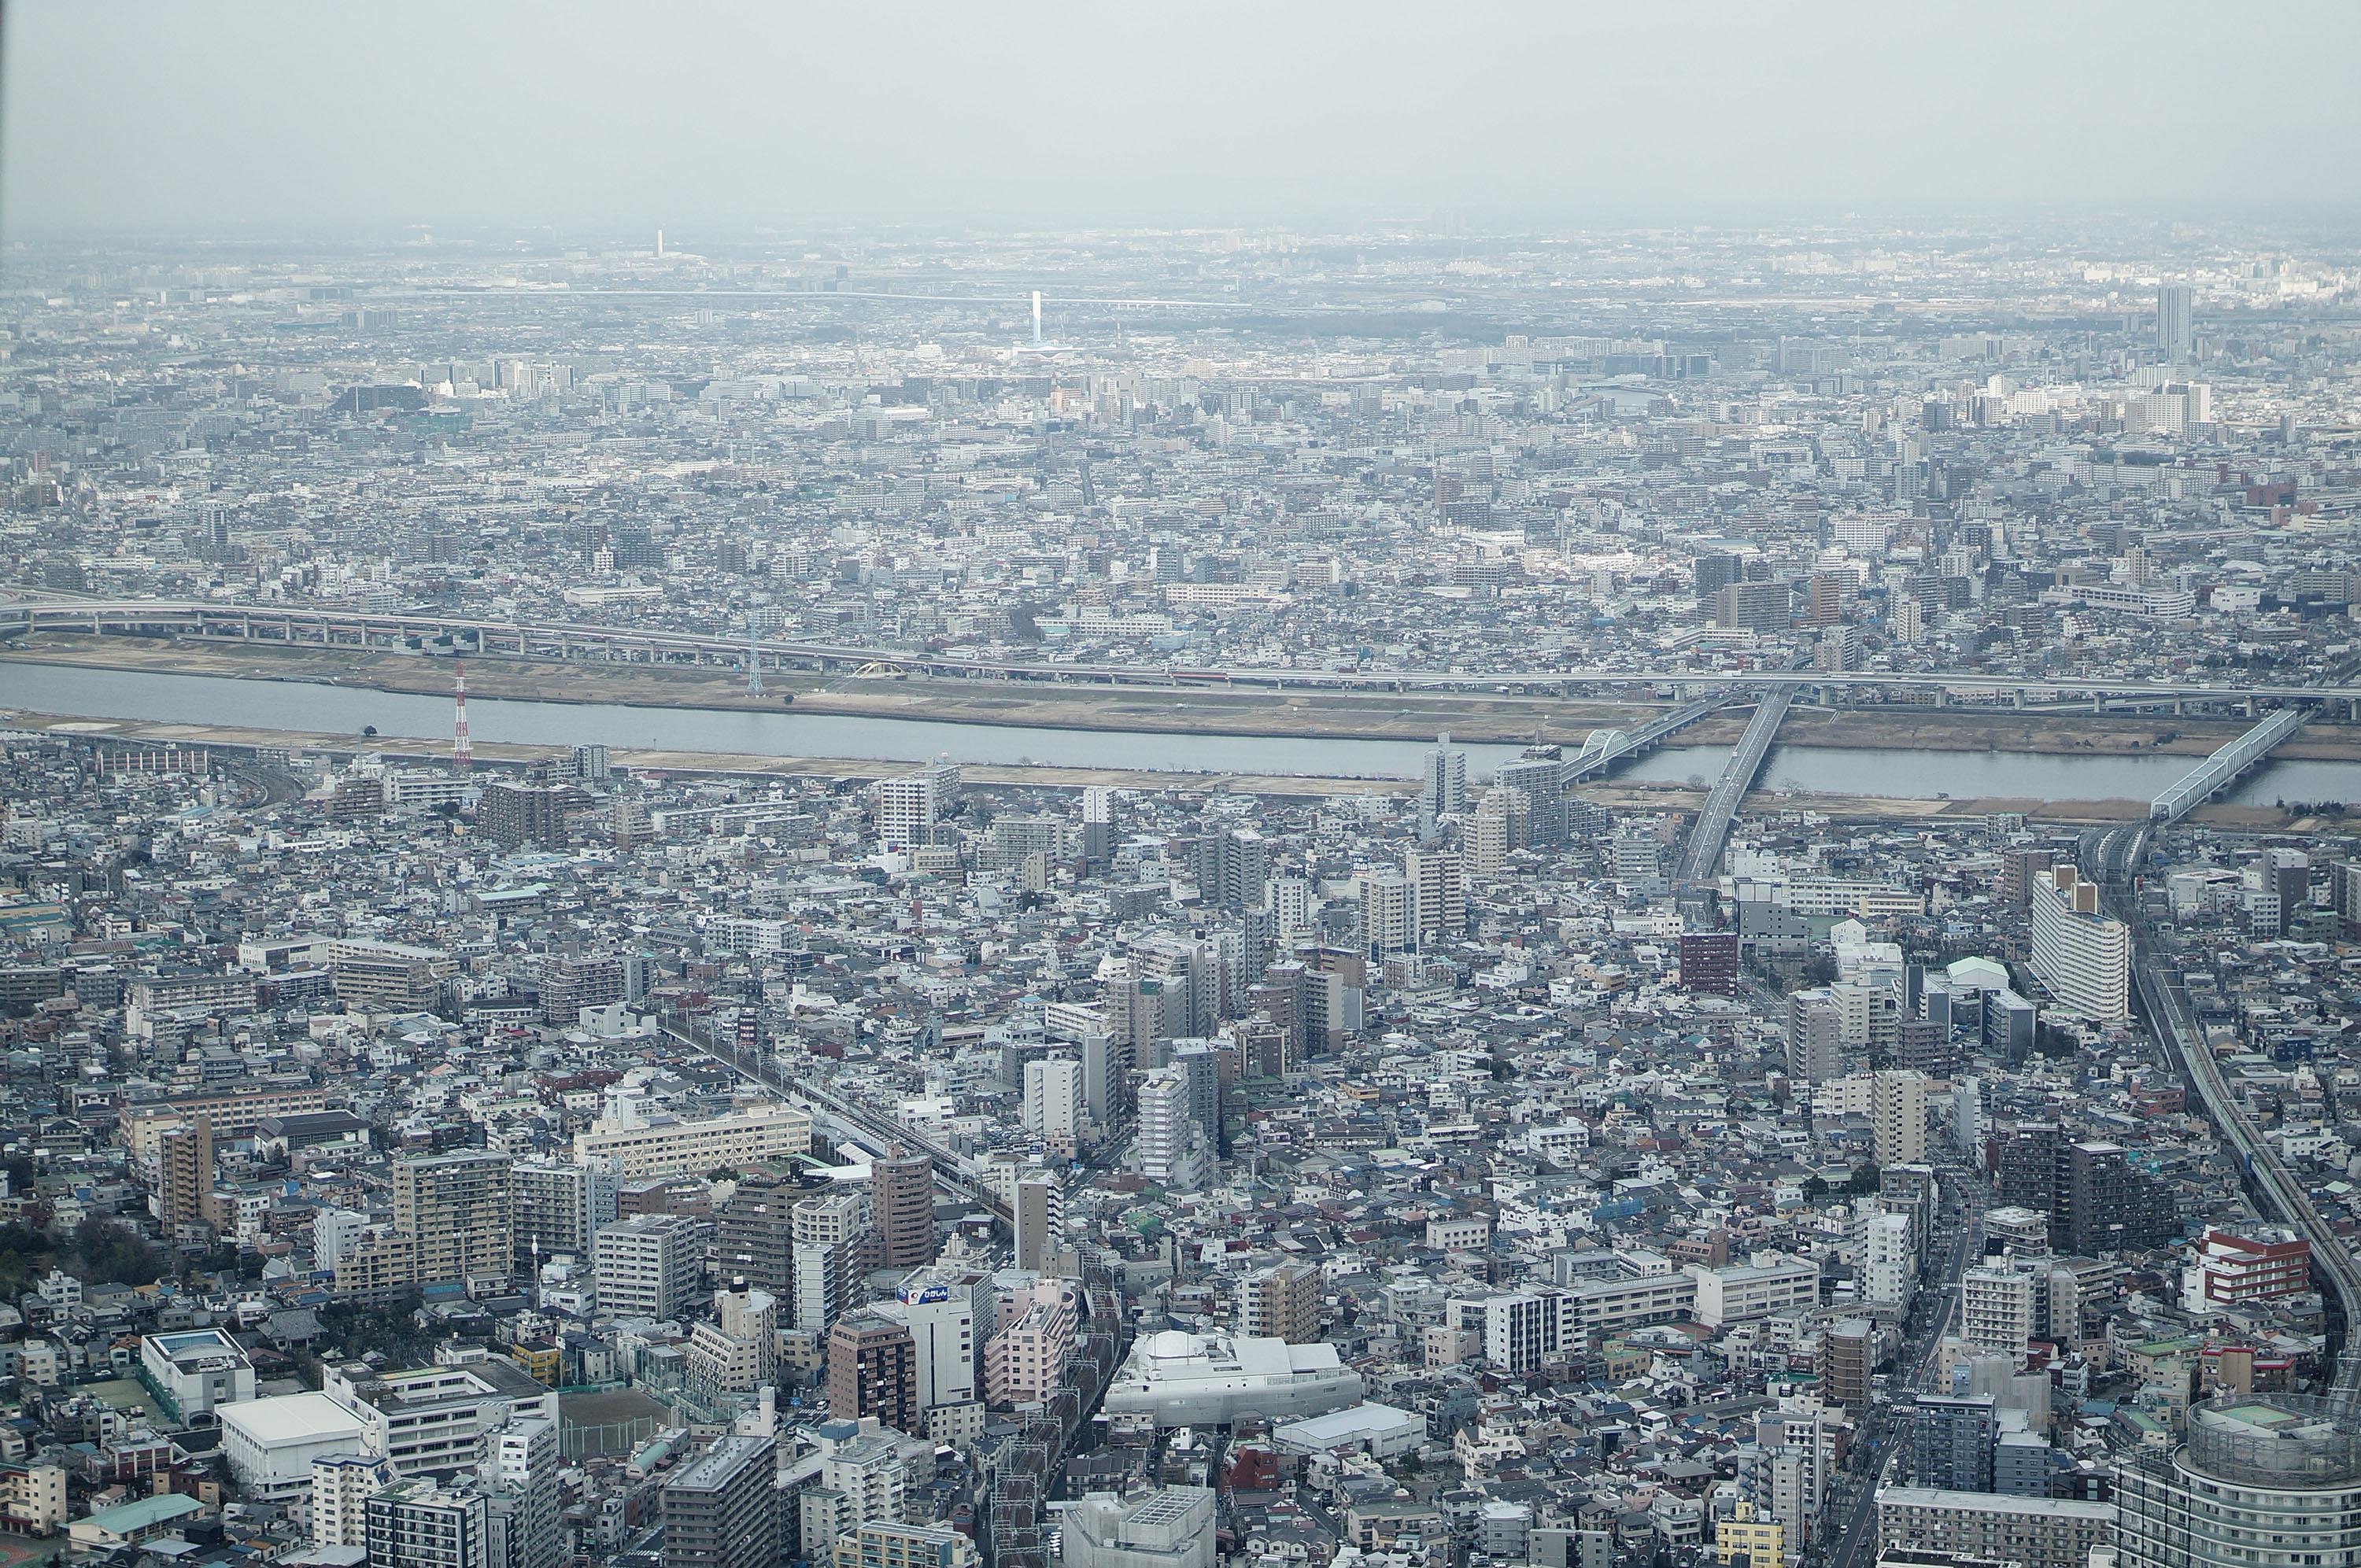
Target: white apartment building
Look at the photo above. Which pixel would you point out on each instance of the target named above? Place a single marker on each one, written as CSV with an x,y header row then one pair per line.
x,y
909,806
1765,1287
1898,1114
665,1147
646,1267
1171,1145
1052,1109
2083,957
2000,1308
1889,1260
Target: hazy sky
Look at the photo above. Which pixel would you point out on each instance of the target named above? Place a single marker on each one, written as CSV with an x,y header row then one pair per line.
x,y
224,116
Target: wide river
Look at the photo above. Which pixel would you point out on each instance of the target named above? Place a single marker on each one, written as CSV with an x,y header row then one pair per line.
x,y
90,693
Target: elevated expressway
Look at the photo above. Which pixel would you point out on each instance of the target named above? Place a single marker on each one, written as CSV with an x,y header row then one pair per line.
x,y
308,626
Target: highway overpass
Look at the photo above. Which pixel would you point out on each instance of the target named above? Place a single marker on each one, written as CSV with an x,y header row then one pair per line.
x,y
1701,852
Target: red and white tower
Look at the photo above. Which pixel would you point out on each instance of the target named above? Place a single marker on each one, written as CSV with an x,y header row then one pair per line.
x,y
462,749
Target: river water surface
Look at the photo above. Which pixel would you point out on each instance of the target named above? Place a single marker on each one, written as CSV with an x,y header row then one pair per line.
x,y
94,693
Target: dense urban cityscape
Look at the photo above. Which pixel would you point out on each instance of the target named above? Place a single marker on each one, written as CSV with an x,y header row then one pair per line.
x,y
1408,897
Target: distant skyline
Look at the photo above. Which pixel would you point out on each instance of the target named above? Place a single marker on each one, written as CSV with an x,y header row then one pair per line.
x,y
236,118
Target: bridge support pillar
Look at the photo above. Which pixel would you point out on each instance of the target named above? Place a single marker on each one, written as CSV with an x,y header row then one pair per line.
x,y
2180,706
2098,703
2017,697
1942,697
2248,706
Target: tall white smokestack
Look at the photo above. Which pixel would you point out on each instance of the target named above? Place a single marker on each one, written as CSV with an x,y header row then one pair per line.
x,y
659,242
1036,318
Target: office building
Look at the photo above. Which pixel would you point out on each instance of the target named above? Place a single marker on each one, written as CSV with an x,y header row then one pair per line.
x,y
949,1312
2175,334
1752,1535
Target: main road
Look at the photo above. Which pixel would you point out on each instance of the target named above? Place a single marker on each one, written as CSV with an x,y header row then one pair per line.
x,y
1889,1425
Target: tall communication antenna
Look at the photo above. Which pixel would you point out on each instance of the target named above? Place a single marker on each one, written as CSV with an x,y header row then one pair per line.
x,y
463,749
754,662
